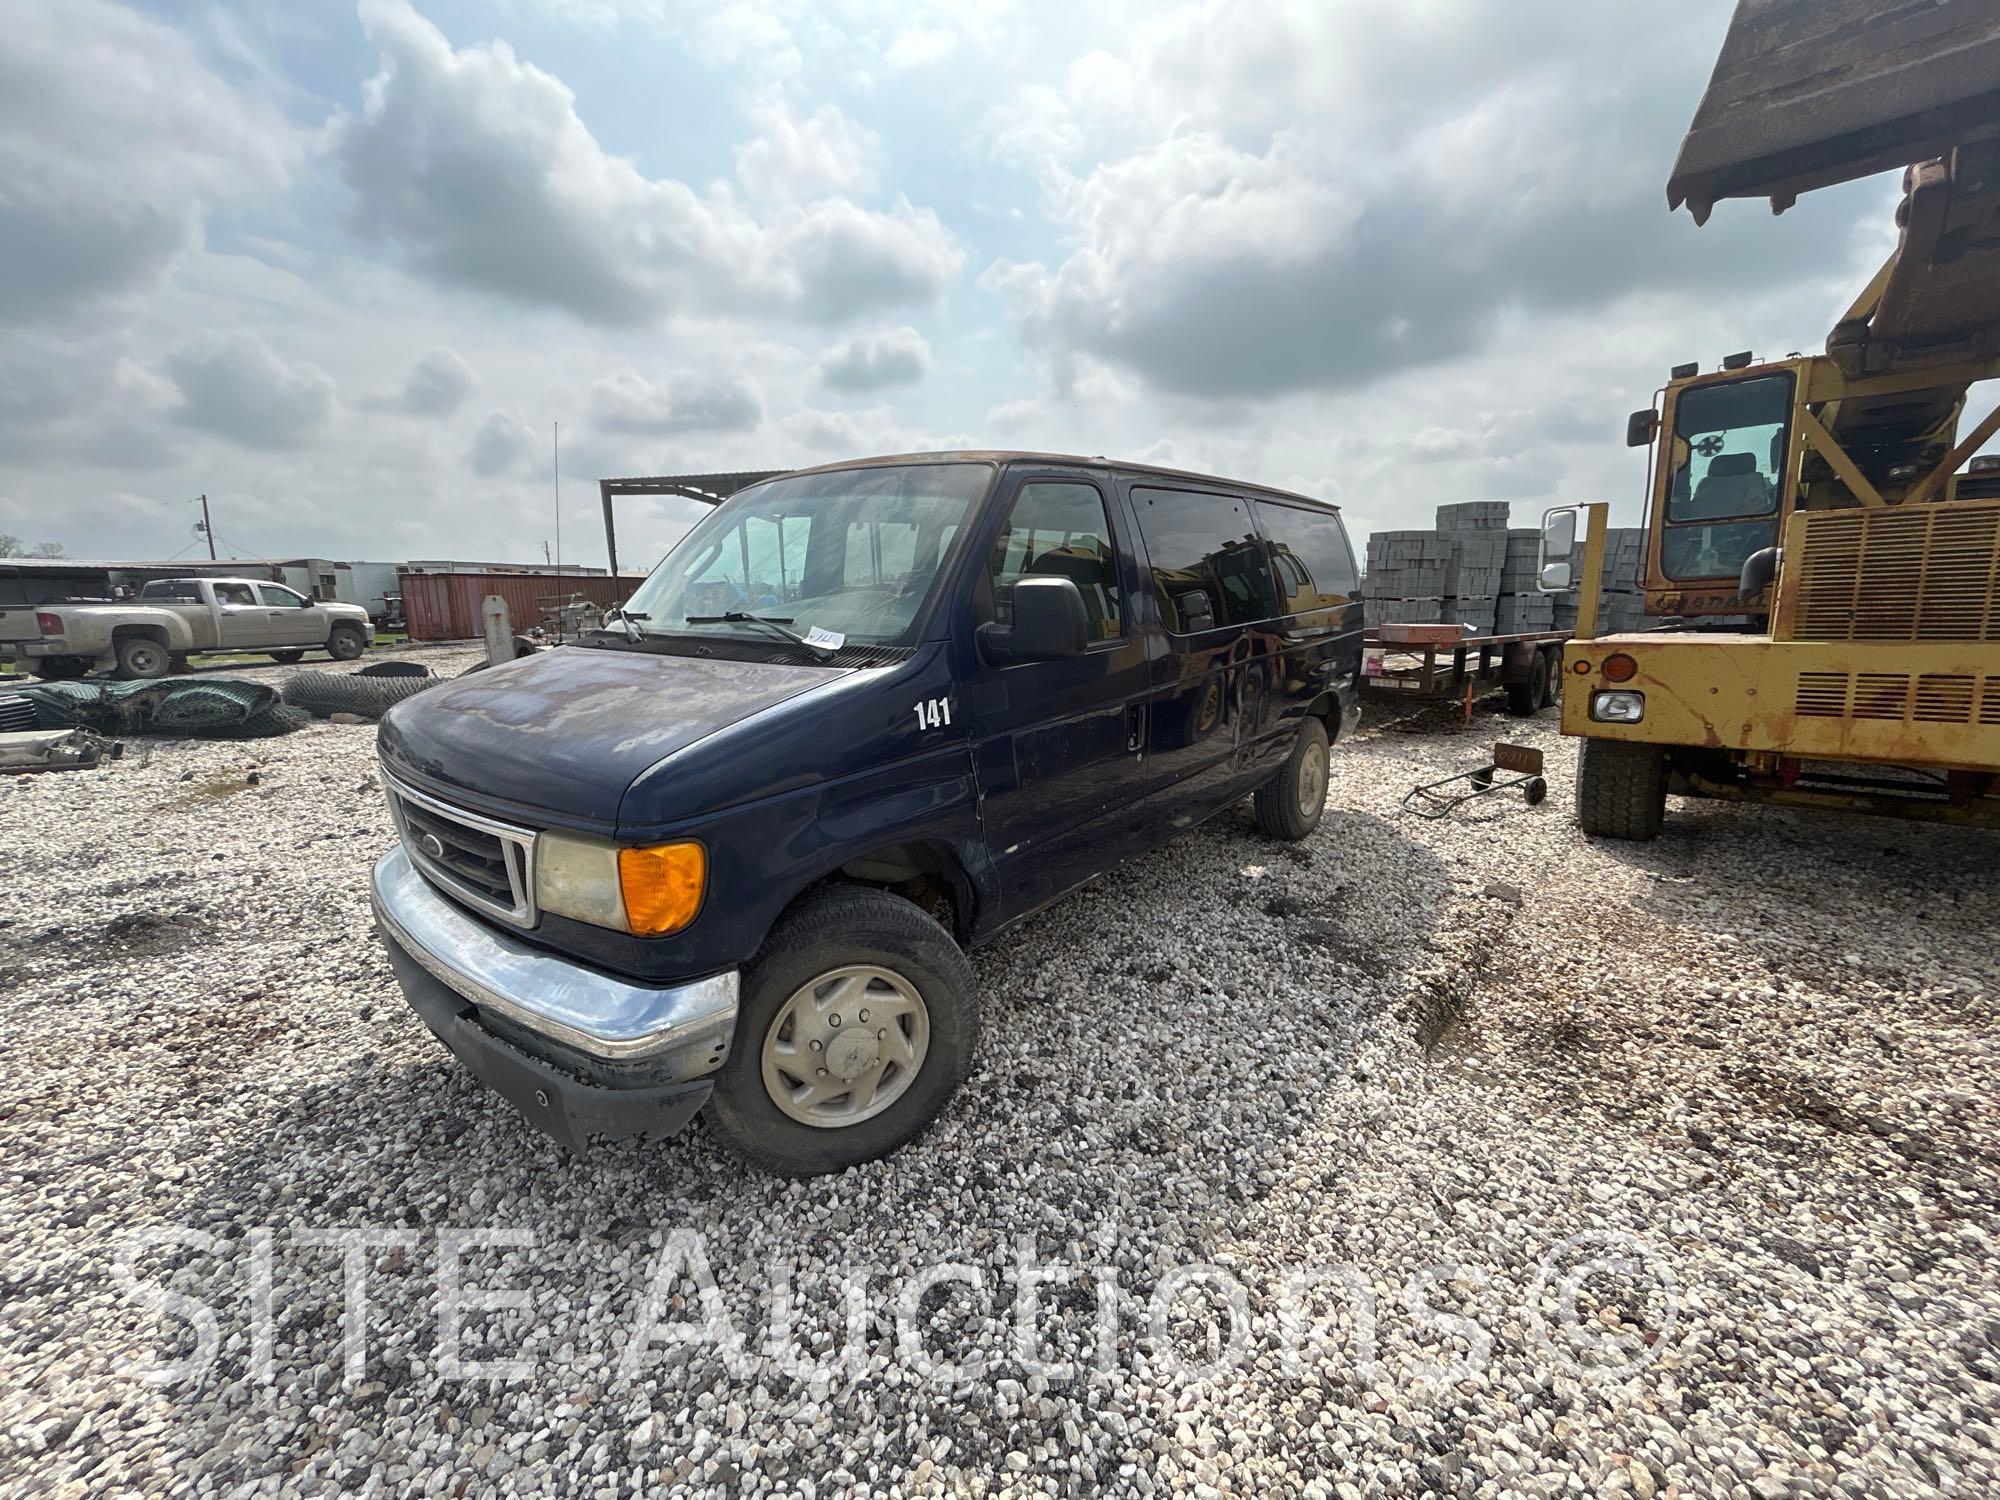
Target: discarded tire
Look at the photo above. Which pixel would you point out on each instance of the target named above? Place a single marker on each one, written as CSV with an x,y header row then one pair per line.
x,y
324,693
394,669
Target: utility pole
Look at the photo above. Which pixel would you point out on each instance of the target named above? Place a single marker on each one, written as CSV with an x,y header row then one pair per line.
x,y
555,440
206,529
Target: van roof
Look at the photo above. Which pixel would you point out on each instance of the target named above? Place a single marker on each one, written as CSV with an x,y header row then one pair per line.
x,y
1022,455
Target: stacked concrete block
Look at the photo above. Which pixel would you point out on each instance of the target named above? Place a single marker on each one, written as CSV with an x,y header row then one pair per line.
x,y
1524,614
1406,575
1474,515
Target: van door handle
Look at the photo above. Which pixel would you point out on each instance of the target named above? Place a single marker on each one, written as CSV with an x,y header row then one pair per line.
x,y
1135,727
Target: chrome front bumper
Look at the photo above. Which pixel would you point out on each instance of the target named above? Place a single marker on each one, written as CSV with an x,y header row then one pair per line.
x,y
681,1032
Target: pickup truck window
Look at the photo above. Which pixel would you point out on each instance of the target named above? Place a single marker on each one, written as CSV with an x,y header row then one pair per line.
x,y
854,551
175,588
234,593
282,597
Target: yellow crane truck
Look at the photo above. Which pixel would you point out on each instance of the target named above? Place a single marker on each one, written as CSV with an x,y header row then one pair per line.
x,y
1830,500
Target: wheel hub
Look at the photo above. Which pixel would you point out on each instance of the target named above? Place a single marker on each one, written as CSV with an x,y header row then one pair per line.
x,y
845,1046
853,1054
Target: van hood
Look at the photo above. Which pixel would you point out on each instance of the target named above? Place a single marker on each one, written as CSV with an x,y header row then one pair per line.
x,y
565,732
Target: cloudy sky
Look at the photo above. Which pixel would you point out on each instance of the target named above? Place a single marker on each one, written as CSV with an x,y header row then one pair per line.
x,y
343,267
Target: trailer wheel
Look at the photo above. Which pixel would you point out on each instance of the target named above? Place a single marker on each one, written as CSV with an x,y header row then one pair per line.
x,y
1553,681
1524,698
1621,789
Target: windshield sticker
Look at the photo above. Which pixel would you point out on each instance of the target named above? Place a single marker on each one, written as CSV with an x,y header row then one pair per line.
x,y
826,640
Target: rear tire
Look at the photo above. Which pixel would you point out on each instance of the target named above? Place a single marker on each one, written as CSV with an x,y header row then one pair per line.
x,y
1621,789
345,643
59,668
140,659
1291,803
1525,698
838,932
288,657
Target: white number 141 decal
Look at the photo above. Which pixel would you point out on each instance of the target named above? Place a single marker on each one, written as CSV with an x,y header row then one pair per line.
x,y
933,713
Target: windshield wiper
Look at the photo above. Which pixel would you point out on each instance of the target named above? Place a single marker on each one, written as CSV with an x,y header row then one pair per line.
x,y
777,624
632,632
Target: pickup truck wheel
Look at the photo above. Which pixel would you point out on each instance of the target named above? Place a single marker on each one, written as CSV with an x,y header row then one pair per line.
x,y
1621,789
1289,804
59,668
345,643
858,1021
288,657
140,657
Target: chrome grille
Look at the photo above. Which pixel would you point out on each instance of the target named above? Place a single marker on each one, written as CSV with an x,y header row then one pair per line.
x,y
482,861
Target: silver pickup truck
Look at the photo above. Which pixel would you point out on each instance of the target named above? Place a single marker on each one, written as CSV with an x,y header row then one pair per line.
x,y
174,618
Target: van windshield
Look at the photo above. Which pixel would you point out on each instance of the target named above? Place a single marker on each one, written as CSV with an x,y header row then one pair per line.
x,y
851,551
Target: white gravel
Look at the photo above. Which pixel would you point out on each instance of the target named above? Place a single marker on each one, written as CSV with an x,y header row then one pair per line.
x,y
1760,1054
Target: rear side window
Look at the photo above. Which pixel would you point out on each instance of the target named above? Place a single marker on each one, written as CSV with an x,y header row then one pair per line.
x,y
1206,563
174,589
233,593
1060,528
1309,554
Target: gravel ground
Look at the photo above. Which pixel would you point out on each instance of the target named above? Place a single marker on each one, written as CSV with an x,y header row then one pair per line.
x,y
1665,1169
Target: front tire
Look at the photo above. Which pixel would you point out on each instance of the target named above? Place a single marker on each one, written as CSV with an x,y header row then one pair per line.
x,y
345,644
1621,789
1290,804
858,1022
140,658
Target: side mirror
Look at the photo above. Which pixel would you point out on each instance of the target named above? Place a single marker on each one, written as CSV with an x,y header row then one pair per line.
x,y
1197,611
1641,428
1049,623
1556,568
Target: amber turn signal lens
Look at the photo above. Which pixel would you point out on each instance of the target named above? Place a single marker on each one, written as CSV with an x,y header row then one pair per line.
x,y
1582,669
1620,668
662,885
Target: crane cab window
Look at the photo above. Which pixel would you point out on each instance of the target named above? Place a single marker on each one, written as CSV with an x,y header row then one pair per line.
x,y
1726,475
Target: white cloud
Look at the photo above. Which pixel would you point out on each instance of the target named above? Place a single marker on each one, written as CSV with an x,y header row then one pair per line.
x,y
437,385
113,136
870,361
234,386
478,166
628,402
501,446
793,160
920,47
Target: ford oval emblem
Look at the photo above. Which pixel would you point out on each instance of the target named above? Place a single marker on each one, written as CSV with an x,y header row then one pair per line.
x,y
432,845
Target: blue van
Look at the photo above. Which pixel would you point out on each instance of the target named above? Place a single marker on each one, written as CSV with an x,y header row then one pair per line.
x,y
731,849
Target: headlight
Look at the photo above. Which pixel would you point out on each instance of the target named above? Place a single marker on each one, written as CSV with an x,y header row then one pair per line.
x,y
651,890
1618,708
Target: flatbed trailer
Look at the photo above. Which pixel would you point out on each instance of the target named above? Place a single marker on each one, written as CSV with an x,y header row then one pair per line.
x,y
1418,663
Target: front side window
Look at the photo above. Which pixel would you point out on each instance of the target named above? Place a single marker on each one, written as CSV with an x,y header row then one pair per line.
x,y
1062,529
283,598
1310,556
1726,475
1206,563
852,551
